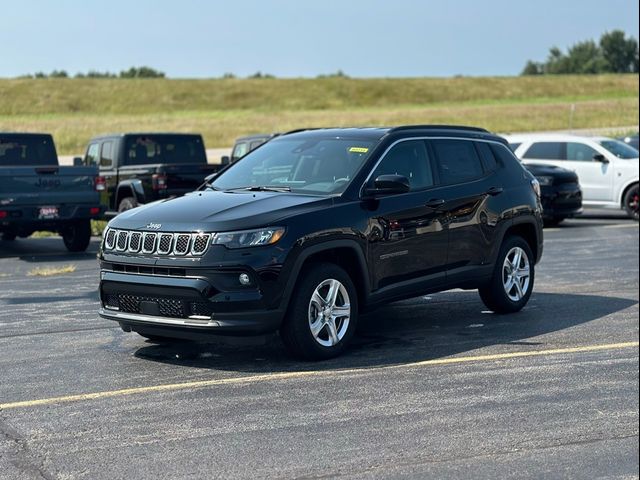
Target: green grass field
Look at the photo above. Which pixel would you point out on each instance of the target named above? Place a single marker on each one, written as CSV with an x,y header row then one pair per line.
x,y
74,110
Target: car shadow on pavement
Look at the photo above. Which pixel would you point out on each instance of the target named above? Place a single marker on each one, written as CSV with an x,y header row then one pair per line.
x,y
50,249
415,330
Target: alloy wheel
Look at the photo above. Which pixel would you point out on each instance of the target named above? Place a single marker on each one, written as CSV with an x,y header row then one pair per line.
x,y
516,274
329,312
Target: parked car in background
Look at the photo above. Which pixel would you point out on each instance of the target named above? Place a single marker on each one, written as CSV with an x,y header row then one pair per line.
x,y
244,145
561,195
631,140
607,168
314,227
139,168
37,194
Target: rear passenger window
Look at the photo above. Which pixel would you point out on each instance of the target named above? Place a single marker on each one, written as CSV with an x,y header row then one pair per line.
x,y
546,151
408,158
457,161
490,162
580,152
91,158
240,150
106,155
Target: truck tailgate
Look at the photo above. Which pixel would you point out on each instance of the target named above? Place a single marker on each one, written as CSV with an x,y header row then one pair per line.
x,y
188,177
43,186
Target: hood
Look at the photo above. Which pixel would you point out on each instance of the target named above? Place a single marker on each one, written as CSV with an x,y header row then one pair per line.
x,y
218,211
560,175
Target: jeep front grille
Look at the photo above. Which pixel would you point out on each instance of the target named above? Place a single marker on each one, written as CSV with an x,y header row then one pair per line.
x,y
132,241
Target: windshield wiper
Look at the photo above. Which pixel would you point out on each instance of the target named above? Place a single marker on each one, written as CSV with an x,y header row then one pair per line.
x,y
262,188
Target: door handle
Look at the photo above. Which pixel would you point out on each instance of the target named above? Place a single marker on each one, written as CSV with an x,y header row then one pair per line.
x,y
493,191
434,203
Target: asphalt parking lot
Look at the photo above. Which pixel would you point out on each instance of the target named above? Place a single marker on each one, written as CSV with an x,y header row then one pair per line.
x,y
433,387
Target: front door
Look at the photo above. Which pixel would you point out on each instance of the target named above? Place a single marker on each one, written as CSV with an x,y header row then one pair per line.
x,y
407,232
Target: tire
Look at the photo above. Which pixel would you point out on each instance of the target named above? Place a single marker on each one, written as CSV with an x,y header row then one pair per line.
x,y
127,203
309,300
553,222
77,237
494,294
8,237
631,202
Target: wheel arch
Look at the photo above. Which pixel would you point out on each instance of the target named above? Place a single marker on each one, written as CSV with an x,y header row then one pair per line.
x,y
129,188
528,231
347,254
625,190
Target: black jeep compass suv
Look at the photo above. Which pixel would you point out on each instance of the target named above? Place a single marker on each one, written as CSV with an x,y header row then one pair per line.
x,y
316,226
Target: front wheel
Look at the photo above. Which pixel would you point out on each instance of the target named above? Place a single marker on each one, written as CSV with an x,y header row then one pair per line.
x,y
77,236
631,202
511,285
322,316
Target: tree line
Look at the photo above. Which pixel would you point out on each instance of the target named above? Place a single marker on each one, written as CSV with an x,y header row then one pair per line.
x,y
133,72
614,53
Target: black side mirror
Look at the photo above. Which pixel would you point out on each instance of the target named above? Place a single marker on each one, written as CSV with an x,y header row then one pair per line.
x,y
78,161
225,160
389,185
598,157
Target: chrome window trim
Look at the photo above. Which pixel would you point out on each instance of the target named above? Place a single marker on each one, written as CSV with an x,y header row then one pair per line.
x,y
384,154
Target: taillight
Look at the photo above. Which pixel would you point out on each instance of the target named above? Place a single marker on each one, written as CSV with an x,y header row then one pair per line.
x,y
93,211
535,184
159,181
3,214
100,184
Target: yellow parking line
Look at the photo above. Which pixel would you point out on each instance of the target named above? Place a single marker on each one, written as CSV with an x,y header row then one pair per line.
x,y
307,374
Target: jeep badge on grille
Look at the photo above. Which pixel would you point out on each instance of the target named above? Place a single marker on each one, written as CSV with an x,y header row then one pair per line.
x,y
153,226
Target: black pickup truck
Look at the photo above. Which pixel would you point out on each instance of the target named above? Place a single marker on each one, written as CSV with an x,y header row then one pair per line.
x,y
139,168
38,194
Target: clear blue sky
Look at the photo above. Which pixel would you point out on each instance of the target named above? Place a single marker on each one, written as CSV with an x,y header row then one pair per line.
x,y
289,38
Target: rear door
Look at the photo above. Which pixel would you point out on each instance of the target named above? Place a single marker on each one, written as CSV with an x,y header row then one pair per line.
x,y
407,232
472,194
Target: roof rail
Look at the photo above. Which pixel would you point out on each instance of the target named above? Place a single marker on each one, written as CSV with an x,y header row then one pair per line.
x,y
439,127
299,130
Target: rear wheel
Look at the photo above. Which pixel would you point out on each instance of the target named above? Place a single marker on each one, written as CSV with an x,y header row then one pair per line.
x,y
77,236
127,203
512,282
631,202
323,313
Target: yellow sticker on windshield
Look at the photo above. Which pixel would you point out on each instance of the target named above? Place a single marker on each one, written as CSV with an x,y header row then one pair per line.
x,y
358,150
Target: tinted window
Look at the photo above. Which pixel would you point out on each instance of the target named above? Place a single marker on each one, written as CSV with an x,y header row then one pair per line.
x,y
619,149
240,150
514,146
580,152
490,162
457,161
410,159
91,158
106,156
546,151
256,144
319,165
144,149
23,150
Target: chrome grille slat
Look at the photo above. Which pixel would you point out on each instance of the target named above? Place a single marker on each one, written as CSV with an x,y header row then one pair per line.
x,y
154,243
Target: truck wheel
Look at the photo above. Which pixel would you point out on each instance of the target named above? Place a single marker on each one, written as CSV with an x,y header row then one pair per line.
x,y
631,202
77,237
323,313
511,285
127,203
8,237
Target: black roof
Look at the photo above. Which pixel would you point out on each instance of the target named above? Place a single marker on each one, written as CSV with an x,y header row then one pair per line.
x,y
155,134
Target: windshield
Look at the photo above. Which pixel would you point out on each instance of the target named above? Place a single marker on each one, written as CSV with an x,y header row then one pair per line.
x,y
619,149
172,149
316,165
27,150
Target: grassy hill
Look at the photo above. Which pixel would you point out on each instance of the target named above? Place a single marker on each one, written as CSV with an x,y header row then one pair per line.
x,y
223,109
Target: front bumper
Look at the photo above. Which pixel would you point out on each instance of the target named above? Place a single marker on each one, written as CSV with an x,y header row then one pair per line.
x,y
183,307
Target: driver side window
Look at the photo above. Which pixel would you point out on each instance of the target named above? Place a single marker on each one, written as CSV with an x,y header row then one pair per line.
x,y
410,159
580,152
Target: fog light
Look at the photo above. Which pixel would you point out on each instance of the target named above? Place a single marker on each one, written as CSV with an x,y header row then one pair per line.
x,y
244,279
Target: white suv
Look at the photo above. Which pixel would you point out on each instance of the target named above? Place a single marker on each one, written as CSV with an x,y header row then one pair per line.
x,y
607,169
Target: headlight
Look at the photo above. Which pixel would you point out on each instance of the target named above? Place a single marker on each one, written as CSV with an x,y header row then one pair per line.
x,y
249,238
545,181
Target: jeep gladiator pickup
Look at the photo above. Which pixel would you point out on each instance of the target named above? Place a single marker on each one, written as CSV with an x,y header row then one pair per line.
x,y
140,168
38,194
